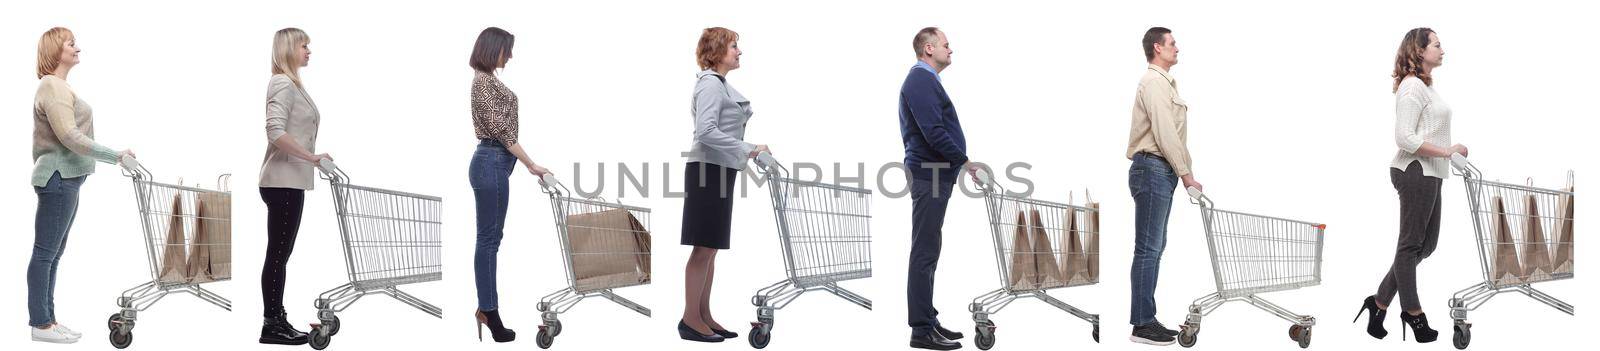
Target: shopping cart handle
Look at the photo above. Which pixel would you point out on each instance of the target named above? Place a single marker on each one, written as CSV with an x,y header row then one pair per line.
x,y
984,178
327,166
1459,161
129,163
549,181
765,160
1194,193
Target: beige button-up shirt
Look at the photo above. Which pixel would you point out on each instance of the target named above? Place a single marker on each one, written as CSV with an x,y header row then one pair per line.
x,y
1161,121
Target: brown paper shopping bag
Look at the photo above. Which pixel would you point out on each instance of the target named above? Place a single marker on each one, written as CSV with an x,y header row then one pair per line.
x,y
1506,268
211,254
1023,272
1092,242
1535,250
1076,265
606,250
174,268
1563,255
1049,274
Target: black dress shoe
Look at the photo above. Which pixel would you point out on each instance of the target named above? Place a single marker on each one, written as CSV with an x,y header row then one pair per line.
x,y
687,333
947,333
277,330
725,333
931,340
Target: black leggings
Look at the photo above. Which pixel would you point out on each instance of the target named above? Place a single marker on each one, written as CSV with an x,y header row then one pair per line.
x,y
284,207
1419,233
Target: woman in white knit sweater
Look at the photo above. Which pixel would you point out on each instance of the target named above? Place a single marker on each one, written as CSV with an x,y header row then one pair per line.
x,y
1422,134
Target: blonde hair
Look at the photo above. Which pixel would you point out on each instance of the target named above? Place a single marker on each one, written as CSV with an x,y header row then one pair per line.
x,y
285,59
50,47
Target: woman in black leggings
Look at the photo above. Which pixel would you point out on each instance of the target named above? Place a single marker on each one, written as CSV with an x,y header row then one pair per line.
x,y
286,174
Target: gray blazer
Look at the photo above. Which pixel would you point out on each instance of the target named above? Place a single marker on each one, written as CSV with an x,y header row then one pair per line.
x,y
720,115
289,112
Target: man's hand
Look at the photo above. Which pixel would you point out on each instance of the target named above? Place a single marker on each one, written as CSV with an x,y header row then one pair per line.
x,y
1189,182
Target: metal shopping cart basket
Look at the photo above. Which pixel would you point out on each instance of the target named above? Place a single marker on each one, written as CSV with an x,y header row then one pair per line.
x,y
187,239
824,232
390,238
1254,254
1510,219
604,246
1039,246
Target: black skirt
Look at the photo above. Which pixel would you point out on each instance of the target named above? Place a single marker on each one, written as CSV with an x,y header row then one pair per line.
x,y
708,205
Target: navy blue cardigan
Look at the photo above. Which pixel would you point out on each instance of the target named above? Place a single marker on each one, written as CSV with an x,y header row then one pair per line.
x,y
930,129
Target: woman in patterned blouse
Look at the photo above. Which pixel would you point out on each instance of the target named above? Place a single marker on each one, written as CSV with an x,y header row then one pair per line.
x,y
494,119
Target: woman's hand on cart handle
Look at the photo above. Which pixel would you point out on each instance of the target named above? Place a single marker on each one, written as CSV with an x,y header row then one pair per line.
x,y
128,160
765,160
538,171
1458,149
760,148
548,180
325,163
1189,182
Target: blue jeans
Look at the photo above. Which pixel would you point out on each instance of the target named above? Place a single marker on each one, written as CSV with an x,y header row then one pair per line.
x,y
928,204
1152,183
490,173
58,206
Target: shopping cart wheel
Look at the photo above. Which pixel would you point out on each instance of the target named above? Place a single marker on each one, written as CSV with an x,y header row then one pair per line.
x,y
114,321
1300,334
984,334
985,341
544,339
1463,336
555,328
759,338
332,325
320,337
121,339
1188,336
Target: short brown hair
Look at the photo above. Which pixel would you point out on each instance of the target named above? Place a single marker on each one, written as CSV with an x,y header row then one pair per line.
x,y
50,45
493,45
924,37
1408,60
714,42
1156,35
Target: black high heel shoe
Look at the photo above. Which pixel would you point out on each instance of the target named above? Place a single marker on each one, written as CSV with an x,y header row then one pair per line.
x,y
497,329
1375,317
1418,325
687,333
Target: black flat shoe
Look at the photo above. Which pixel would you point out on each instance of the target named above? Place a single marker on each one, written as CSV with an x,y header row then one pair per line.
x,y
1418,325
724,333
932,341
278,331
1375,318
947,333
687,333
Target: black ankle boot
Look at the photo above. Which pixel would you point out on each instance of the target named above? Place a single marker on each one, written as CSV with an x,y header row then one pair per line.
x,y
1419,325
497,329
1375,318
277,330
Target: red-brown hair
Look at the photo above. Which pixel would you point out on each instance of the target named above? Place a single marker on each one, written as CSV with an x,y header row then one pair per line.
x,y
51,44
1408,60
714,43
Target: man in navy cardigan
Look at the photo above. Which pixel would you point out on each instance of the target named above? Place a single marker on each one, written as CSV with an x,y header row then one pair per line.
x,y
936,151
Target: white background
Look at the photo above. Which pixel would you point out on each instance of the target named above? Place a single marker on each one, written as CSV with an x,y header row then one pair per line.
x,y
1291,115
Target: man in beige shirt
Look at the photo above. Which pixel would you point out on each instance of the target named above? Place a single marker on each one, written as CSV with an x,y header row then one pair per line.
x,y
1157,144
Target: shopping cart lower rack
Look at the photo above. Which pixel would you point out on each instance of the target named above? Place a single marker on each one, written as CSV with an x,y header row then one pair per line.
x,y
1509,219
1039,246
824,233
390,238
604,246
187,239
1255,254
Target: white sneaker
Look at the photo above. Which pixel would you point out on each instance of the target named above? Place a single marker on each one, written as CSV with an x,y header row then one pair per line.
x,y
52,335
64,330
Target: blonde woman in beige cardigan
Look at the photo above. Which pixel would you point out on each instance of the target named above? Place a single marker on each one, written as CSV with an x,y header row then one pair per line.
x,y
64,153
286,174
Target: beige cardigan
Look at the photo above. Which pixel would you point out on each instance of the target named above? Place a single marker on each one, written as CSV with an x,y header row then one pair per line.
x,y
289,112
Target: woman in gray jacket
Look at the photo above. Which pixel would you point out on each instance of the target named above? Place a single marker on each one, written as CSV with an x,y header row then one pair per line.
x,y
286,174
718,152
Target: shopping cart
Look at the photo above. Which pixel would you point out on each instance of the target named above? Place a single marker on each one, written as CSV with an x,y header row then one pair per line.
x,y
174,224
825,238
604,246
1255,254
1054,235
1508,217
390,238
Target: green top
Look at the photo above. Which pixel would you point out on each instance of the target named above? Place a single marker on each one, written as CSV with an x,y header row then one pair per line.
x,y
63,134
